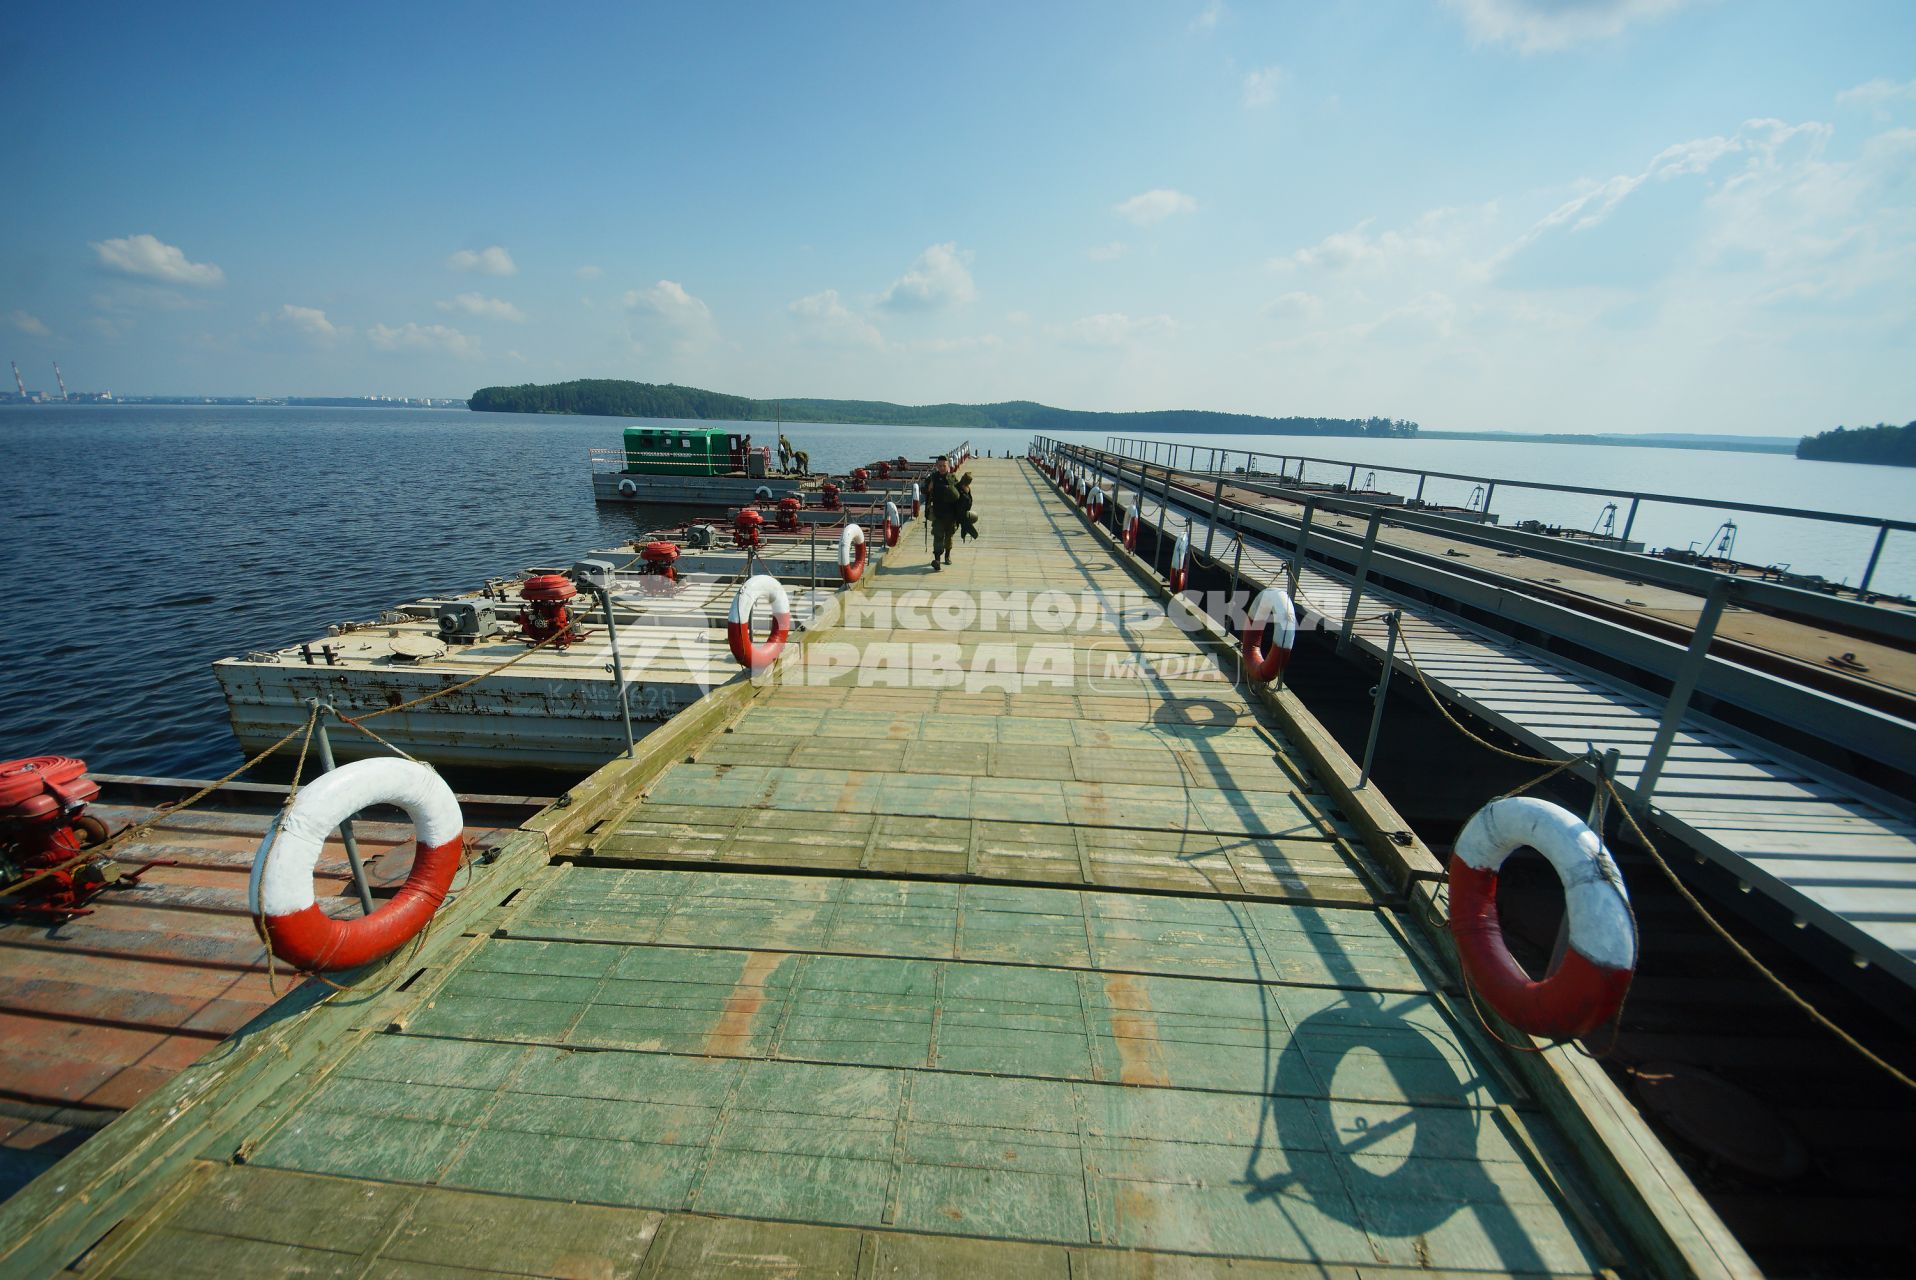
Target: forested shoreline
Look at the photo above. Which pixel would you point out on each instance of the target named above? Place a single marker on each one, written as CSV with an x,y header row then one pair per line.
x,y
616,398
1883,443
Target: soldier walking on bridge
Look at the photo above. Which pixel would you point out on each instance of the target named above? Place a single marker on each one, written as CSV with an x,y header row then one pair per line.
x,y
945,505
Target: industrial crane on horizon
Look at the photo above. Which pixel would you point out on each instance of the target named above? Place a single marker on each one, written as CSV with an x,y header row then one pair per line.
x,y
16,378
62,381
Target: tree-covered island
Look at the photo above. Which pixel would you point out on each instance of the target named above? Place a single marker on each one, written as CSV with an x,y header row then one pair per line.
x,y
1882,443
617,398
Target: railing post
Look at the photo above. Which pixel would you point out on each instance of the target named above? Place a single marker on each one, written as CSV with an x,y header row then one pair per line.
x,y
1350,485
618,666
1421,477
346,836
1210,530
1378,696
1303,536
1489,489
1164,516
1875,554
1358,575
1630,519
1689,672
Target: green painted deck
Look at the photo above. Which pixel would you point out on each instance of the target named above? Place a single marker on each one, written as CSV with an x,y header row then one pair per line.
x,y
1086,979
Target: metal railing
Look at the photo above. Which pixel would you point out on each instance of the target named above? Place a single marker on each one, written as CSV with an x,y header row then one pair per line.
x,y
1214,459
1886,738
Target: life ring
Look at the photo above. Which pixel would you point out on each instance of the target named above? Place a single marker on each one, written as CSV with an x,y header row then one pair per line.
x,y
1587,989
1273,618
1180,573
915,498
280,893
751,655
629,488
851,553
1097,505
1132,521
892,523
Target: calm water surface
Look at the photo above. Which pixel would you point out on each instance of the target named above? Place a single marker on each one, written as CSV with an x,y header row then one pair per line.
x,y
145,542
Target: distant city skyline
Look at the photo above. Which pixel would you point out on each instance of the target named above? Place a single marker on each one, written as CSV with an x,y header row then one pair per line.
x,y
1505,215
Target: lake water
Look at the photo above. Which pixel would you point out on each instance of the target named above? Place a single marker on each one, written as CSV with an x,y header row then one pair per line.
x,y
145,542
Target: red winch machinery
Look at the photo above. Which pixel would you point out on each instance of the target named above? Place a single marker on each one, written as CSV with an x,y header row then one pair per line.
x,y
45,832
544,615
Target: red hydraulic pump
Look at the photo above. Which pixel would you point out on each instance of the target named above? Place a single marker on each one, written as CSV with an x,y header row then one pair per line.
x,y
45,832
828,496
746,528
859,477
657,572
544,616
788,514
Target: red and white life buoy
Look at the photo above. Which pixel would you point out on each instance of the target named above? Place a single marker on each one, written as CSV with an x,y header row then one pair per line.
x,y
1132,521
1587,989
1270,632
916,497
892,524
1180,573
851,553
751,654
280,894
1096,506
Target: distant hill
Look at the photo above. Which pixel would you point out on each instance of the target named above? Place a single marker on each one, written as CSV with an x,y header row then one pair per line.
x,y
1882,443
615,398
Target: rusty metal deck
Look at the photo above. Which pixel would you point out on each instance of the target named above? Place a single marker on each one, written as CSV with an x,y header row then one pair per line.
x,y
100,1011
1077,974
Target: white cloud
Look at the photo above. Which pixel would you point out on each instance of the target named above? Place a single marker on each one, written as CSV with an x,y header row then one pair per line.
x,y
940,277
667,306
1357,248
491,261
1546,26
1260,86
1207,18
825,320
1295,305
28,324
1114,329
1106,252
588,273
478,304
310,321
959,346
669,301
428,337
1155,206
1878,95
147,256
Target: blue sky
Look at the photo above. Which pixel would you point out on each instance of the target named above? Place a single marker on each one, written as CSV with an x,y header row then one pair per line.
x,y
1637,215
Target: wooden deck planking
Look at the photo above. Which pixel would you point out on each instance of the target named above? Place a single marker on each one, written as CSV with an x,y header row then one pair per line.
x,y
884,1058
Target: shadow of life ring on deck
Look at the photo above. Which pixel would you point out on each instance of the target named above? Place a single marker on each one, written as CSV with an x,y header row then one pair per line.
x,y
1219,716
280,893
1327,1167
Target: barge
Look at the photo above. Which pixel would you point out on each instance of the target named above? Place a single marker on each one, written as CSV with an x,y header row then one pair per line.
x,y
494,679
688,467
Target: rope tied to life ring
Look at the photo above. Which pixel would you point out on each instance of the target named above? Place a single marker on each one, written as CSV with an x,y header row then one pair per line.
x,y
851,553
280,891
1586,988
756,656
1270,633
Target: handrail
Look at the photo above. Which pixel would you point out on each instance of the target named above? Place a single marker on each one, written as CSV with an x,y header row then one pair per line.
x,y
1772,597
1715,504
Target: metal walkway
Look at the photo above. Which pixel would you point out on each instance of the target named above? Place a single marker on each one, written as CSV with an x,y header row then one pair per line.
x,y
912,974
1806,838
